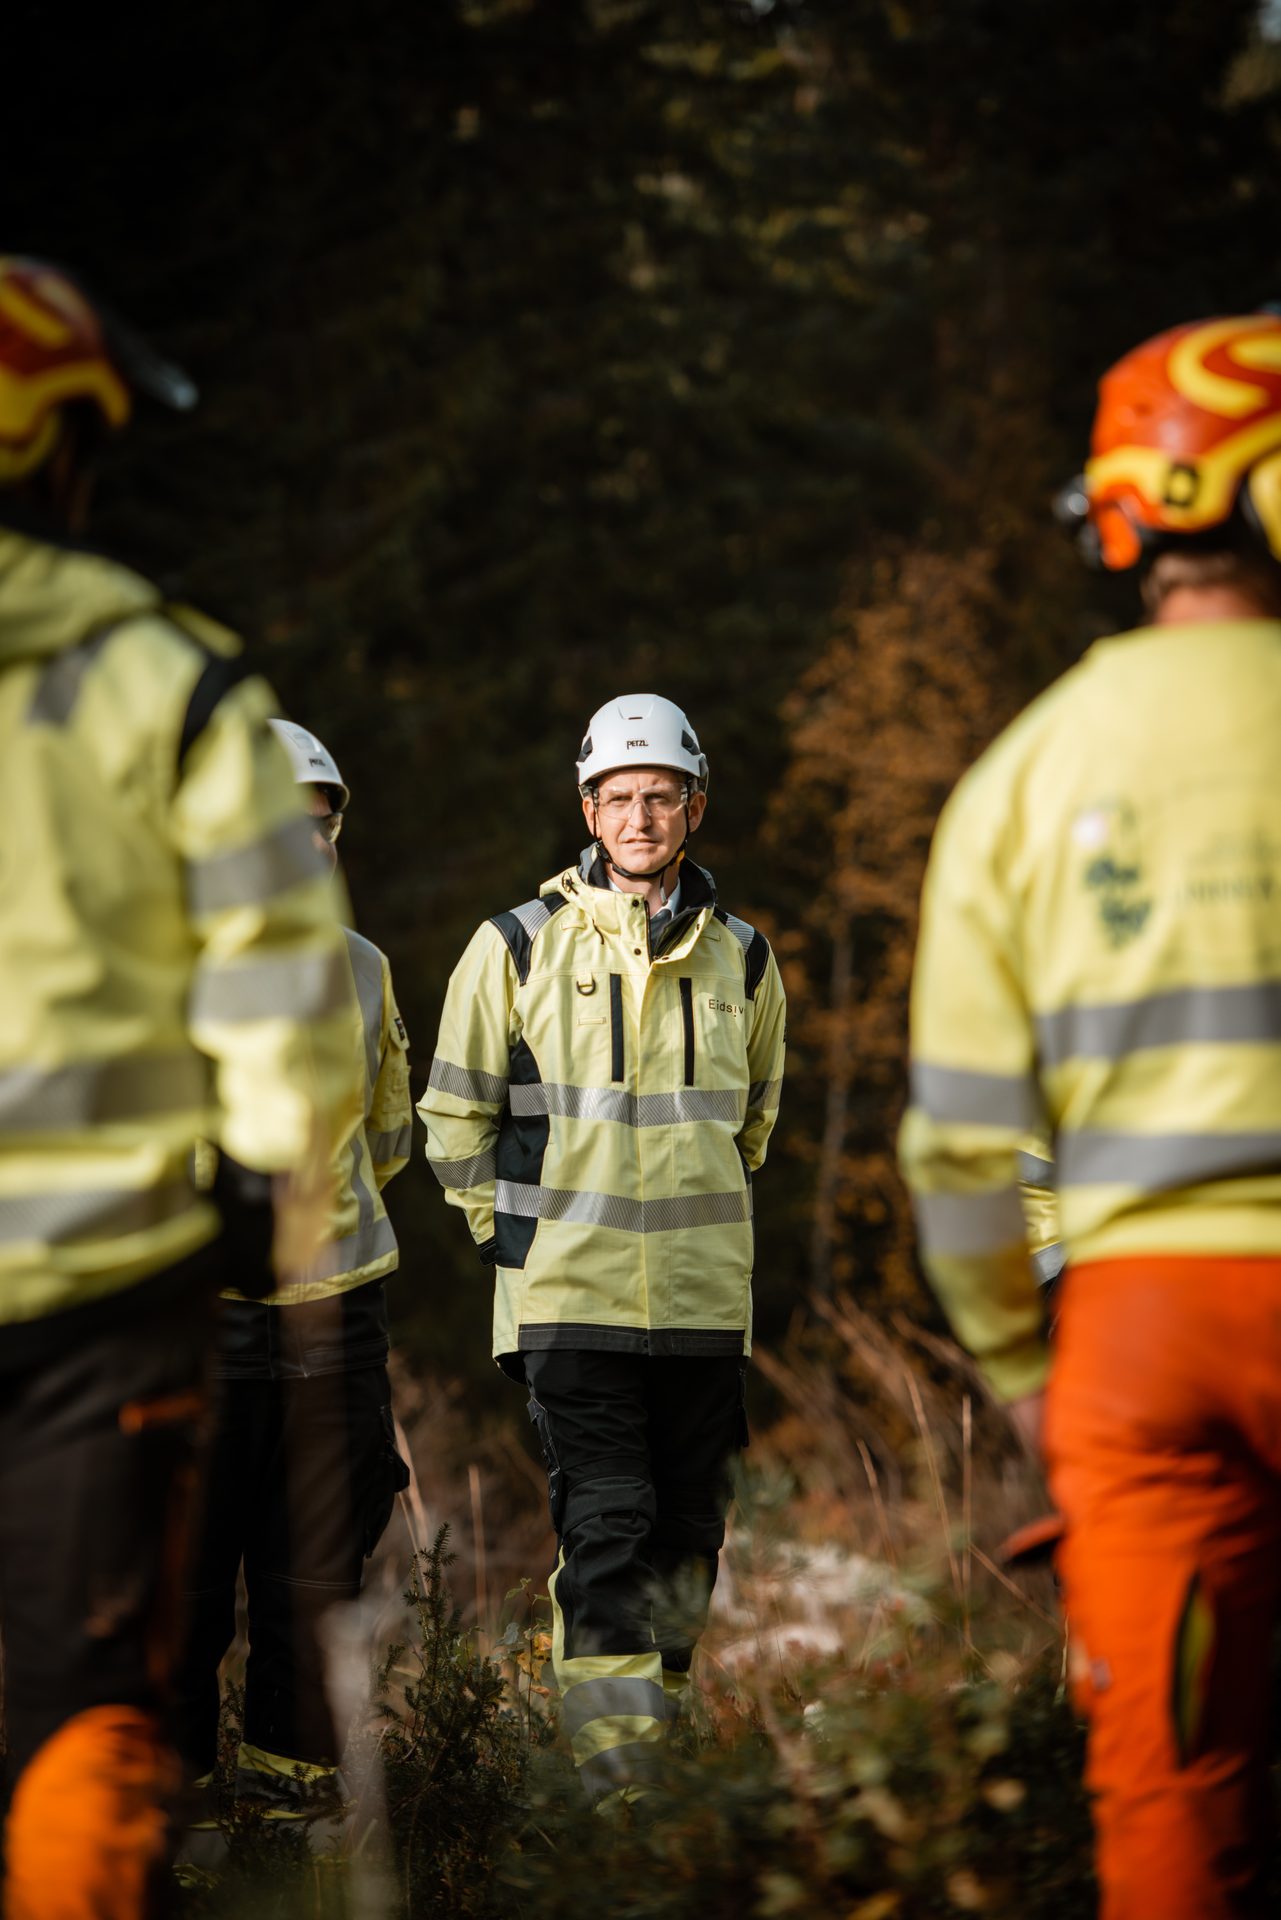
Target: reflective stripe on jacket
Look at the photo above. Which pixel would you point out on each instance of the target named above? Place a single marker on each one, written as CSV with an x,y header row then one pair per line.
x,y
597,1111
170,960
362,1241
1100,963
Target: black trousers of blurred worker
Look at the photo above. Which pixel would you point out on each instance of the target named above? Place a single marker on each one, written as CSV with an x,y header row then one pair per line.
x,y
101,1418
303,1475
638,1452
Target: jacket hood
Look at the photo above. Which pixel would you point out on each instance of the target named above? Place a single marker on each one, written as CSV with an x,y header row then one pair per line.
x,y
52,597
587,886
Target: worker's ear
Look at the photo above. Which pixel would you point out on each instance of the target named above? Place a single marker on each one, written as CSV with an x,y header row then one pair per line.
x,y
697,808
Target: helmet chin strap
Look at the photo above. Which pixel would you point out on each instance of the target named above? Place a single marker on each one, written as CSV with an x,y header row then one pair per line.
x,y
629,874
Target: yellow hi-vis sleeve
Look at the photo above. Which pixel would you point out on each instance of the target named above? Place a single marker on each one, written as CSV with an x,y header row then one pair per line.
x,y
974,1101
271,999
467,1086
391,1113
765,1053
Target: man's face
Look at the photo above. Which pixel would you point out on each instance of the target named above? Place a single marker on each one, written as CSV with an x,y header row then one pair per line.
x,y
639,816
320,807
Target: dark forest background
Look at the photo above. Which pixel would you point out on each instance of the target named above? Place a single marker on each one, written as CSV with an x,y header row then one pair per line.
x,y
555,348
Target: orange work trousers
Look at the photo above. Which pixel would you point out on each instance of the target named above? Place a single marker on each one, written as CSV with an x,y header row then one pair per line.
x,y
1163,1434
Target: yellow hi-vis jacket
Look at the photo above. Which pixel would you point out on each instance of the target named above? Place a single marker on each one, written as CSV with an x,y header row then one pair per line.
x,y
1100,963
171,963
361,1243
597,1110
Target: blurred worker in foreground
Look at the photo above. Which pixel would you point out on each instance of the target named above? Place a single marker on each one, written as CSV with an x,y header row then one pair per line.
x,y
1101,951
605,1083
303,1471
170,967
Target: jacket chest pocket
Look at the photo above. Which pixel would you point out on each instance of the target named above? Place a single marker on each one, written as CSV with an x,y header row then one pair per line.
x,y
591,1007
598,1020
712,1031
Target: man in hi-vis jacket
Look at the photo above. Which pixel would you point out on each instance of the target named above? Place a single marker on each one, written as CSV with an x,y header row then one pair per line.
x,y
1100,965
171,969
605,1084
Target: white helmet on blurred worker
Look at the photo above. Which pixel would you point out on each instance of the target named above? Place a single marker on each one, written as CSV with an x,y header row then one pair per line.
x,y
311,760
640,730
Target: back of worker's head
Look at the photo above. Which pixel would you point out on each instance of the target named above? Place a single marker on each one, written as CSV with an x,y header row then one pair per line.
x,y
70,374
1183,482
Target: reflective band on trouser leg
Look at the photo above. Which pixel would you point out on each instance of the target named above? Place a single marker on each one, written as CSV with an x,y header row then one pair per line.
x,y
615,1707
88,1829
285,1789
676,1686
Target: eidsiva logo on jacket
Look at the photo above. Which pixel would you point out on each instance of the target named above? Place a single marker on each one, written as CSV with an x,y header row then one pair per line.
x,y
723,1006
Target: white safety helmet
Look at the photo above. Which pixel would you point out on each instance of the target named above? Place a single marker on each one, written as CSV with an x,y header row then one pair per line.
x,y
311,760
640,730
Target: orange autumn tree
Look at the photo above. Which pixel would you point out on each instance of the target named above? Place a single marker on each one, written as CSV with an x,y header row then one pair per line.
x,y
900,701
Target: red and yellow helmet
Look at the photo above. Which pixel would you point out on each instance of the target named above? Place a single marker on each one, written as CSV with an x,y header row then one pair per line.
x,y
58,349
1188,433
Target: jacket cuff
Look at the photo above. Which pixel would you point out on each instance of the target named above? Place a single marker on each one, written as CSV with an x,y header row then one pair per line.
x,y
488,1251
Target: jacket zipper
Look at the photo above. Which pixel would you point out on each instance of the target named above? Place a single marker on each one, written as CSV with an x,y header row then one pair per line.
x,y
616,1024
687,1015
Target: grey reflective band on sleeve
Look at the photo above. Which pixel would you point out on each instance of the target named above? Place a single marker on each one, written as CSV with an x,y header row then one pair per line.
x,y
58,687
970,1224
462,1174
685,1106
618,1767
300,987
764,1093
267,867
960,1096
396,1145
1183,1016
371,1241
1049,1263
1157,1162
662,1215
590,1700
100,1092
1035,1169
467,1083
54,1219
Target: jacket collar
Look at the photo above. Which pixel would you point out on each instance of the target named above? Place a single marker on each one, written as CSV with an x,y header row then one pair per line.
x,y
587,887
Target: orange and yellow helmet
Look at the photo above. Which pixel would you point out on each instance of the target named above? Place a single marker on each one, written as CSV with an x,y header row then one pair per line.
x,y
58,349
1187,436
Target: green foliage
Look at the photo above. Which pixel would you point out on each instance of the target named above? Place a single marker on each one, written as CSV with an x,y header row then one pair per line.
x,y
454,1753
906,1788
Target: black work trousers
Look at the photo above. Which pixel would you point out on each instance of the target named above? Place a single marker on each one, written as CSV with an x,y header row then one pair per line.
x,y
101,1412
638,1453
303,1475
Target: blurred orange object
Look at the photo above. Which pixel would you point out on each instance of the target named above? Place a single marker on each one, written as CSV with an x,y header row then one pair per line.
x,y
1163,1437
87,1837
1183,422
1028,1546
